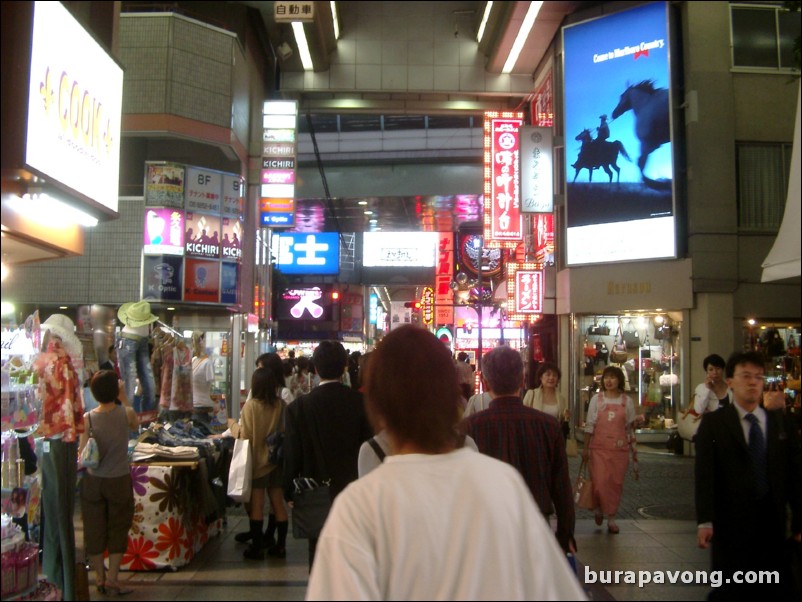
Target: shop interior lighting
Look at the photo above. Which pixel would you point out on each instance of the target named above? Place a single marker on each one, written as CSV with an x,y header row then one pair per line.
x,y
303,46
483,24
46,210
751,321
523,34
335,21
659,319
7,308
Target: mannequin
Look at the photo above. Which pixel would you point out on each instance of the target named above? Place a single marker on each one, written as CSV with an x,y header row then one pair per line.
x,y
61,424
203,405
133,354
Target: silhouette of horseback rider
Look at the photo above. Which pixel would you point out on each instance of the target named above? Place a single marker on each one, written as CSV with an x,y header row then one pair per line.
x,y
598,153
603,130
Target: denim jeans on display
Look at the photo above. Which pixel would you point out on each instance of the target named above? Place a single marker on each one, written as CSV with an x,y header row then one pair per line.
x,y
133,358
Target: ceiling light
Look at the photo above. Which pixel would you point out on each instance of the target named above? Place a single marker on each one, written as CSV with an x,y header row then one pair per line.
x,y
63,307
303,46
523,34
362,203
336,22
368,212
483,24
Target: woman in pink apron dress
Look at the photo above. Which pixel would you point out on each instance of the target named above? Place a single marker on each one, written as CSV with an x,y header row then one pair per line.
x,y
609,424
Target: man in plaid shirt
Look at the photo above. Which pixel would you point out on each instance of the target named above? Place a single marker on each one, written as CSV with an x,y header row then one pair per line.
x,y
528,439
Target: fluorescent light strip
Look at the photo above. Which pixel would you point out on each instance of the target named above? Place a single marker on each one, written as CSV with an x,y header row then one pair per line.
x,y
303,47
49,211
336,22
483,24
523,34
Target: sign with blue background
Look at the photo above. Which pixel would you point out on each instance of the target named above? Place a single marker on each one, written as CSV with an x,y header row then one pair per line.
x,y
307,252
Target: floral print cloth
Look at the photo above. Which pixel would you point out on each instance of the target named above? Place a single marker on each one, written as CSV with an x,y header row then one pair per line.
x,y
60,390
169,525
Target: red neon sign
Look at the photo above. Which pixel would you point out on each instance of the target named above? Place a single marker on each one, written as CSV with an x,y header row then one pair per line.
x,y
503,221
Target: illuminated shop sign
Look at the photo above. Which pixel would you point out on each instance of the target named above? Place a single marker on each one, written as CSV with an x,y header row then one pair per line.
x,y
427,305
537,170
307,253
164,185
202,281
162,278
618,148
204,190
503,222
278,176
202,235
277,206
232,239
164,231
374,309
233,195
542,107
524,290
304,304
543,232
74,107
443,294
399,249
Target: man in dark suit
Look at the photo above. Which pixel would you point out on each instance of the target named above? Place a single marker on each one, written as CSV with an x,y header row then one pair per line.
x,y
747,472
325,429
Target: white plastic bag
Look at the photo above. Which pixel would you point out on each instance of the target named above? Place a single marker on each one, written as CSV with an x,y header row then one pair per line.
x,y
240,472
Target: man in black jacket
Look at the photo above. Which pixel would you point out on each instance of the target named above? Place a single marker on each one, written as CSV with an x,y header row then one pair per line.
x,y
325,429
747,472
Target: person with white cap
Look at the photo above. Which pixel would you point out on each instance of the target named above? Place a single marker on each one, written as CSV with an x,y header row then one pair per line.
x,y
61,424
133,355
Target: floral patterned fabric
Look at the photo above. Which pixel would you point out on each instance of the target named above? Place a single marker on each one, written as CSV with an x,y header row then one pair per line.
x,y
169,525
60,390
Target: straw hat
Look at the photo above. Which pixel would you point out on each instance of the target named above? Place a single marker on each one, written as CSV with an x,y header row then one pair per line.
x,y
136,313
63,327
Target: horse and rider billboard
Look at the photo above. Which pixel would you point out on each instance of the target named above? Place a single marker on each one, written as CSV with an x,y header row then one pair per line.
x,y
618,149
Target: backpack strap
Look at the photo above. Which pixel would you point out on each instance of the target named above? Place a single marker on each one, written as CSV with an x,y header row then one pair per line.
x,y
377,448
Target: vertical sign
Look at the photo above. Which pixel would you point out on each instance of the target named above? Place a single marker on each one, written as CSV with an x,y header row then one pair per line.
x,y
543,232
537,169
503,221
443,294
277,205
618,149
542,108
233,195
524,290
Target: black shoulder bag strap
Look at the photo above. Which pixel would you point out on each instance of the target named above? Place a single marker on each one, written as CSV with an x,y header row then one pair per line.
x,y
377,448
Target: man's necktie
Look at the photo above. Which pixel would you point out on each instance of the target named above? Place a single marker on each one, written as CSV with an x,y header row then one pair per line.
x,y
757,447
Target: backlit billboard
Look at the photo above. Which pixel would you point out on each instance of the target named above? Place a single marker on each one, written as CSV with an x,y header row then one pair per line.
x,y
619,161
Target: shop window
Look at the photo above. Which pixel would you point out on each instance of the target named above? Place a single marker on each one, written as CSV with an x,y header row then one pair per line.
x,y
763,37
646,349
763,172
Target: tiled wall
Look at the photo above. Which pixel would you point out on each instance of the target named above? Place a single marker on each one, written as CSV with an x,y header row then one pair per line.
x,y
178,66
107,273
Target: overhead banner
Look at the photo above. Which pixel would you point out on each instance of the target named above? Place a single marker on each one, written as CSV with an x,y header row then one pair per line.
x,y
619,162
503,221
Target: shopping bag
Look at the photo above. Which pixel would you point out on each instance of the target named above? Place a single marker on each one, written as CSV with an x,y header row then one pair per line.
x,y
583,488
240,473
570,448
311,503
688,424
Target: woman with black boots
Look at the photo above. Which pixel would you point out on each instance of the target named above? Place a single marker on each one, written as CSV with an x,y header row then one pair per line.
x,y
261,416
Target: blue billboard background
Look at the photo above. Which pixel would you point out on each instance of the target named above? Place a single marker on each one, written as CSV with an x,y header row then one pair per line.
x,y
307,252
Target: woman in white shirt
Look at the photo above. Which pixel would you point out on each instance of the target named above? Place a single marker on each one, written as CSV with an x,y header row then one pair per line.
x,y
547,398
713,393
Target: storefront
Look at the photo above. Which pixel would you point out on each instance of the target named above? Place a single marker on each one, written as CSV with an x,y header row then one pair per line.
x,y
631,316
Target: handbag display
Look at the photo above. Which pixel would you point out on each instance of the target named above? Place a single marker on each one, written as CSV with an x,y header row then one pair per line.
x,y
240,473
583,488
619,354
311,503
631,338
90,454
599,329
774,398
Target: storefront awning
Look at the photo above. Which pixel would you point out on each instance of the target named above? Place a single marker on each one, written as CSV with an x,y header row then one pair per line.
x,y
783,260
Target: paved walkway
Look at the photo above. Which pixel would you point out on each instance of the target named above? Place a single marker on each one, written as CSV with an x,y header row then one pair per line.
x,y
657,534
